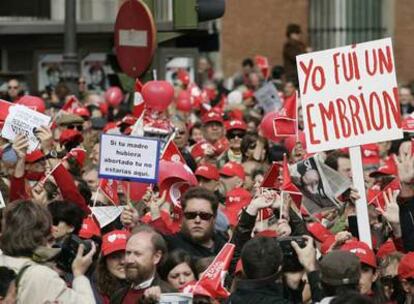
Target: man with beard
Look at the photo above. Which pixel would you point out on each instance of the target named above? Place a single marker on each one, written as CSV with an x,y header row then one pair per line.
x,y
144,251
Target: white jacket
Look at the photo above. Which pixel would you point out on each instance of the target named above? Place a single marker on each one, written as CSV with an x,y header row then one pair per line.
x,y
42,285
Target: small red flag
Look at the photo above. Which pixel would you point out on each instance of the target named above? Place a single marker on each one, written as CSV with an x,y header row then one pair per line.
x,y
109,187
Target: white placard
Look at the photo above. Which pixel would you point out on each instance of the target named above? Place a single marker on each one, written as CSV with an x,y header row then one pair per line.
x,y
133,38
129,158
349,96
106,214
176,298
268,98
22,120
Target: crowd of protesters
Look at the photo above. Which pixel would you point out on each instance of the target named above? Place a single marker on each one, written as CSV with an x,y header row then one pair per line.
x,y
156,246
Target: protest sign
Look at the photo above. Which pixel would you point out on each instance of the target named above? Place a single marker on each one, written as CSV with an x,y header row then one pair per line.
x,y
22,120
129,158
349,98
176,298
268,98
319,184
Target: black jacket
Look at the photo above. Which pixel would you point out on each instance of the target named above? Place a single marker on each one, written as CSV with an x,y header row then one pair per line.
x,y
118,297
261,291
407,223
181,241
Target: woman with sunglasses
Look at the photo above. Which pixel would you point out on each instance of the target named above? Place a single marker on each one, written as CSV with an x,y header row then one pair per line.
x,y
235,131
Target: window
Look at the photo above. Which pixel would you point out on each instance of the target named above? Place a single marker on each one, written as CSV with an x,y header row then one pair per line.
x,y
335,23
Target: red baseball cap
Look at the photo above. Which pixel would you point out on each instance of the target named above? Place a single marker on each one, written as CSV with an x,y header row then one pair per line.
x,y
231,169
362,251
78,154
388,168
235,125
70,135
212,116
34,156
208,171
33,102
319,232
370,154
236,199
89,229
114,241
82,111
406,266
386,249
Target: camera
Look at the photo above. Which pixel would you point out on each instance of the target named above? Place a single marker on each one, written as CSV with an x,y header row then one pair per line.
x,y
69,249
290,258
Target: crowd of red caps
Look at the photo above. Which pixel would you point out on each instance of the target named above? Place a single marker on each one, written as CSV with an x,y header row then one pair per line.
x,y
224,142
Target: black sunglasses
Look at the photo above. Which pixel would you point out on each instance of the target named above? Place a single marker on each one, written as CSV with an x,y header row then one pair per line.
x,y
78,127
238,134
205,216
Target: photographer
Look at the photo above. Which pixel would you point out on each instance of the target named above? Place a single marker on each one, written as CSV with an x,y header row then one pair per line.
x,y
262,260
26,231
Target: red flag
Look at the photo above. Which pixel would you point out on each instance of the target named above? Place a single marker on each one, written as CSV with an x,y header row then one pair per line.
x,y
271,180
136,189
109,187
376,196
4,109
139,103
263,65
285,123
408,124
212,281
172,153
71,104
288,186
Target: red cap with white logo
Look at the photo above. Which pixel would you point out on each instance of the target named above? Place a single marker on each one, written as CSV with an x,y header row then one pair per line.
x,y
208,171
231,169
362,251
114,241
235,125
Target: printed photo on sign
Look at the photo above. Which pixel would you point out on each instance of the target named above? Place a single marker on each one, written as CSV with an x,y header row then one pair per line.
x,y
319,184
22,120
349,96
268,98
95,70
49,71
129,158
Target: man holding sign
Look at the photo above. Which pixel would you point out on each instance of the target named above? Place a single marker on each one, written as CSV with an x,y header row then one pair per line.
x,y
349,98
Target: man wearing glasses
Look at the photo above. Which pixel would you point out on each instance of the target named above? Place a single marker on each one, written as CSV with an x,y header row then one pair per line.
x,y
197,235
13,90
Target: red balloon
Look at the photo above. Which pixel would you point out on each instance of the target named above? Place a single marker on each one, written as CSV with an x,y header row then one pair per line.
x,y
176,170
183,102
266,127
114,96
33,102
158,94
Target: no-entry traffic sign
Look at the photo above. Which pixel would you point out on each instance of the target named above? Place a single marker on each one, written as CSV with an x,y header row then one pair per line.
x,y
135,37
